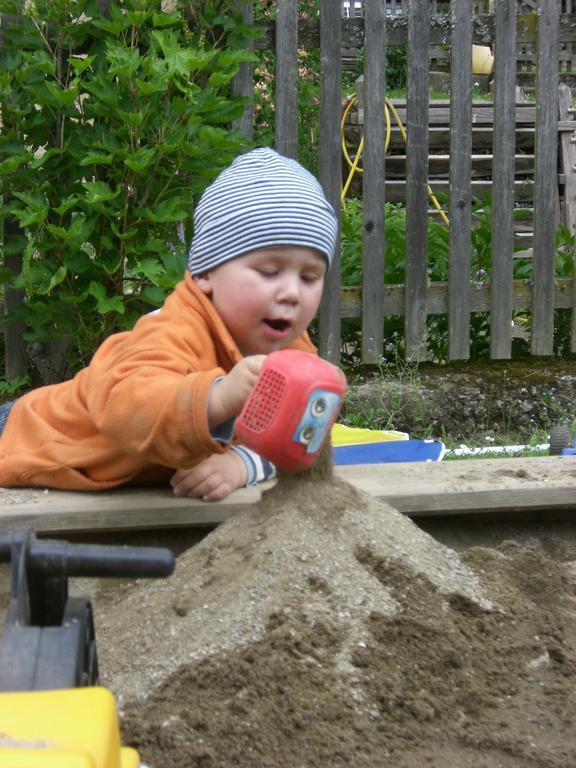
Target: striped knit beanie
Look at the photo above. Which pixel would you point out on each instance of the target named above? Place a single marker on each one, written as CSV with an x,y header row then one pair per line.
x,y
260,201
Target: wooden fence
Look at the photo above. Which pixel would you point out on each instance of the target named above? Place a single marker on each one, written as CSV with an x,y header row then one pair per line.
x,y
416,300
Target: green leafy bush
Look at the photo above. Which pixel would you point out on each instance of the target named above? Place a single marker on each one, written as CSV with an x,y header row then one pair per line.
x,y
111,127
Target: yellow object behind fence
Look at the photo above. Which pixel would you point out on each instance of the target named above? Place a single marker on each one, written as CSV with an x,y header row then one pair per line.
x,y
482,60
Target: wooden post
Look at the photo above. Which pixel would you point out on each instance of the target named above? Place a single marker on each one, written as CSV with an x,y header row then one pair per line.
x,y
417,180
331,164
545,178
460,181
503,171
373,194
568,168
286,94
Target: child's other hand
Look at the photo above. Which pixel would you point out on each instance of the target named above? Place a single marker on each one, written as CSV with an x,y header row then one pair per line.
x,y
228,395
212,479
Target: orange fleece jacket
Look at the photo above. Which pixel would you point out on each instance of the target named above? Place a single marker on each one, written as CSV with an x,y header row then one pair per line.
x,y
135,413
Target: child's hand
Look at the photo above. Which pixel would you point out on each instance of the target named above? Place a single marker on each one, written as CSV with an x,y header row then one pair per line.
x,y
211,480
227,396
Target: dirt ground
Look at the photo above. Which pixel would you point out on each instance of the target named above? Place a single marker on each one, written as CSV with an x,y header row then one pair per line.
x,y
322,628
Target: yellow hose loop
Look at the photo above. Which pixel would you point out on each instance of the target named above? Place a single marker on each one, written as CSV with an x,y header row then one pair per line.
x,y
354,164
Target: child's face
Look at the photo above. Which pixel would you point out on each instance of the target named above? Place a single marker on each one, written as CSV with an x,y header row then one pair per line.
x,y
267,298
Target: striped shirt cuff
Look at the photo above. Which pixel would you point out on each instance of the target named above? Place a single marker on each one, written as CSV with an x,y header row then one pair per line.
x,y
258,469
222,433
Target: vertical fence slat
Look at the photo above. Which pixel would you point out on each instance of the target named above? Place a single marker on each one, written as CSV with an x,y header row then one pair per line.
x,y
417,179
331,165
545,178
504,147
460,181
286,95
243,83
373,181
567,164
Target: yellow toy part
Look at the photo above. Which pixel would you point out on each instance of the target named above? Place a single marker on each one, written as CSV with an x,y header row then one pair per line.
x,y
343,435
72,728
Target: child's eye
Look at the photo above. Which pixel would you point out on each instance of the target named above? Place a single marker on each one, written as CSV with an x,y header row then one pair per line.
x,y
267,271
310,277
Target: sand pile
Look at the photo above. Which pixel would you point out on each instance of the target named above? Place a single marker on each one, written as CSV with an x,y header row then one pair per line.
x,y
324,629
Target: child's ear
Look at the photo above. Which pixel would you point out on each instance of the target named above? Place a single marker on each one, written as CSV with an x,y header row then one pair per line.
x,y
204,283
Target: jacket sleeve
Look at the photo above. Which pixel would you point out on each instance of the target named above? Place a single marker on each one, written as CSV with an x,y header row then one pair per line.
x,y
150,404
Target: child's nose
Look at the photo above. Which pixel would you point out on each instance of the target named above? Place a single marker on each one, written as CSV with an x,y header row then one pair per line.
x,y
290,289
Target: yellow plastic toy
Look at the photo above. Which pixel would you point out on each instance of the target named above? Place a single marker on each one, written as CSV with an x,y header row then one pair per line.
x,y
343,435
53,713
76,728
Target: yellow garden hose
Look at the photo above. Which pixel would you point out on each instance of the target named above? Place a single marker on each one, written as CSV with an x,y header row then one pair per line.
x,y
354,165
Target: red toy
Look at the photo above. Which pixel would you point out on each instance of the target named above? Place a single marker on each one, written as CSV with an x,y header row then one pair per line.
x,y
289,414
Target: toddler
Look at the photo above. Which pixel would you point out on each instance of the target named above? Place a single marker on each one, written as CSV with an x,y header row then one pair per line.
x,y
157,404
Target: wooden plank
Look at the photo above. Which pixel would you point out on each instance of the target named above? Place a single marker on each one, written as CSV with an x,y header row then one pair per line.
x,y
437,298
331,167
441,28
243,82
417,181
417,489
545,181
373,182
482,113
439,165
286,97
523,189
503,184
460,184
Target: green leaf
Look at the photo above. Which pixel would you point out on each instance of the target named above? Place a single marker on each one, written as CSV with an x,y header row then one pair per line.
x,y
153,295
180,60
156,85
99,191
11,164
103,303
60,232
151,268
122,62
141,159
166,19
166,211
63,97
97,158
41,158
138,18
103,91
81,63
10,60
36,209
123,234
132,119
57,278
114,27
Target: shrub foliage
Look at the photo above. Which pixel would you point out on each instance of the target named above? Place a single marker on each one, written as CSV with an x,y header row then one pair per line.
x,y
113,122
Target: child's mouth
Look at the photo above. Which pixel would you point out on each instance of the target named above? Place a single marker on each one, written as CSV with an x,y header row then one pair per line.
x,y
278,325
